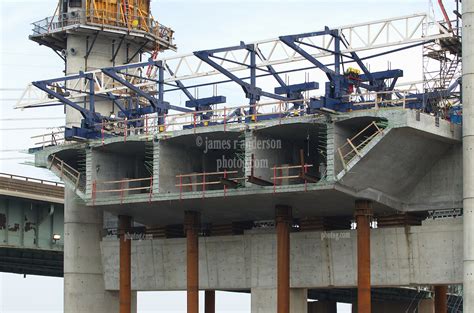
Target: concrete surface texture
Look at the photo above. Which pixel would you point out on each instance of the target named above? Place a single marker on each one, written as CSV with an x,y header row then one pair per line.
x,y
468,152
421,255
84,289
412,158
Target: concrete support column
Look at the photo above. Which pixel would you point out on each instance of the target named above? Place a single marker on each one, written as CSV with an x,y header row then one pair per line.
x,y
191,227
468,151
84,288
209,301
125,293
441,299
283,224
363,216
264,300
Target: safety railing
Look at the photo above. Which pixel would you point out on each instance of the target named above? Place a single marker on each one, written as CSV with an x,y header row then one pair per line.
x,y
32,180
383,99
229,117
226,117
122,188
284,174
203,181
354,145
65,171
138,22
53,138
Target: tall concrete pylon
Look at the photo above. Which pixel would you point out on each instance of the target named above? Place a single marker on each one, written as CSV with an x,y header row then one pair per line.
x,y
93,34
468,152
89,35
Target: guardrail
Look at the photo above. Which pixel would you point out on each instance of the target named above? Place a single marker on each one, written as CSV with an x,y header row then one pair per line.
x,y
279,177
229,117
224,178
32,180
53,138
66,171
122,187
105,19
354,145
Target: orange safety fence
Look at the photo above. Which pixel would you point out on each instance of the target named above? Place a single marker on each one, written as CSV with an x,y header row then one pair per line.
x,y
278,175
223,177
122,187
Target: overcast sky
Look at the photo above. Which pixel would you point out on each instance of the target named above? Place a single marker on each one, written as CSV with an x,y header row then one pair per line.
x,y
198,25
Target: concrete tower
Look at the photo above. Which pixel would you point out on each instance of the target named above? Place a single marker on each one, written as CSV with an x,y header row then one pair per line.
x,y
88,35
92,34
468,153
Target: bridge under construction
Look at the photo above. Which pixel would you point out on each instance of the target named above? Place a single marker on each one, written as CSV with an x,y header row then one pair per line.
x,y
332,182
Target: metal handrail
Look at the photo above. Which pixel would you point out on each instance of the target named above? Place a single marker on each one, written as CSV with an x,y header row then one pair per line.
x,y
172,122
121,189
355,148
104,19
31,179
66,170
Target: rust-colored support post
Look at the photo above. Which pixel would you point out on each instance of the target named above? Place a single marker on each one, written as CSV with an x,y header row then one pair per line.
x,y
363,215
210,301
125,292
283,224
191,227
441,299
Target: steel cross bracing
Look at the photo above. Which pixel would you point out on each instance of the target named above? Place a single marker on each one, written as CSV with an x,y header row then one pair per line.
x,y
360,37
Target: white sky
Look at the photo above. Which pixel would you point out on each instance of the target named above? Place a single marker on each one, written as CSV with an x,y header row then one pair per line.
x,y
199,25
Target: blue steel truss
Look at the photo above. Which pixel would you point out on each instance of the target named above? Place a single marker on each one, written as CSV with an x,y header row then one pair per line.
x,y
342,87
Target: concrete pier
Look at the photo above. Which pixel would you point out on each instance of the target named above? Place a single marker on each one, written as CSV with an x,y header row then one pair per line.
x,y
468,152
441,299
283,226
125,293
264,300
363,216
191,224
209,301
84,287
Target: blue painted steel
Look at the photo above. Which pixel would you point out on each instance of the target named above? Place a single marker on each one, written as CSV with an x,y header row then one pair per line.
x,y
340,86
205,102
296,88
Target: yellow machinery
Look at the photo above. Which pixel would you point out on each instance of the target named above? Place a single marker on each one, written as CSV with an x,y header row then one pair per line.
x,y
132,14
127,19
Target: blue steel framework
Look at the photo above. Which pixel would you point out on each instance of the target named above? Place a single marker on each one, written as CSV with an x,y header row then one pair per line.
x,y
344,90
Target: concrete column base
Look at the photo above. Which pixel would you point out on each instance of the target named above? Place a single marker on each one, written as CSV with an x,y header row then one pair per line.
x,y
264,300
322,307
84,287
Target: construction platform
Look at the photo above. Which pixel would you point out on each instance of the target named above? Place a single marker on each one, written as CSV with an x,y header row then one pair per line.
x,y
156,177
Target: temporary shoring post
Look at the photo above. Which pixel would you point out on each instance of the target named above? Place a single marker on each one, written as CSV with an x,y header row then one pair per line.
x,y
283,223
125,291
363,214
441,299
191,224
468,153
209,301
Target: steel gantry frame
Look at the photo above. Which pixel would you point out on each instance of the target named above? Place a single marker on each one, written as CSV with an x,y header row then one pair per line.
x,y
136,94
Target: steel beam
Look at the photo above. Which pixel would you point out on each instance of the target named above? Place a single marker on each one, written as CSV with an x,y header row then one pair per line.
x,y
125,292
283,224
363,215
191,228
441,299
209,301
